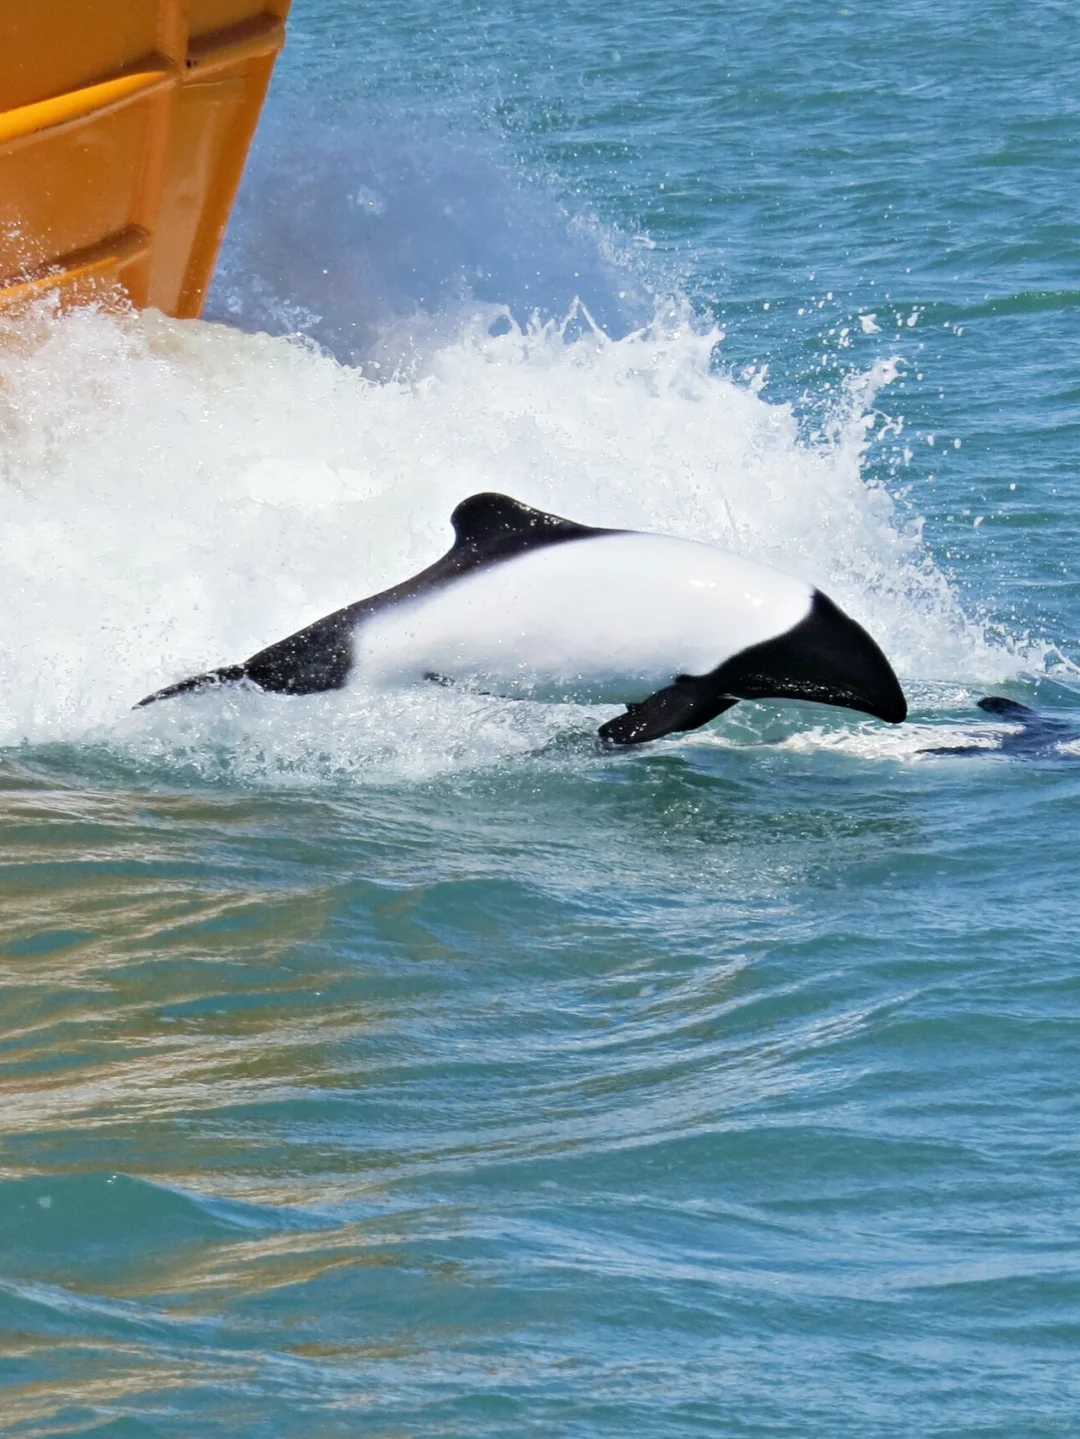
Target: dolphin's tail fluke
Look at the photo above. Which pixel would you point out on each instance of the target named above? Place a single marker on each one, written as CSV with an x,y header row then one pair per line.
x,y
827,658
227,675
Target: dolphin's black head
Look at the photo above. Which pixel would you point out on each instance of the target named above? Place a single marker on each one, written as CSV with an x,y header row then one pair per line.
x,y
826,657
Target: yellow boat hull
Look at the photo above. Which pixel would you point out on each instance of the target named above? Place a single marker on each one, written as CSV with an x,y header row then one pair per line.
x,y
124,127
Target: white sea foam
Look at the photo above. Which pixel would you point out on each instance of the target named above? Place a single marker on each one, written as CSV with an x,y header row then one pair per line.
x,y
909,742
174,495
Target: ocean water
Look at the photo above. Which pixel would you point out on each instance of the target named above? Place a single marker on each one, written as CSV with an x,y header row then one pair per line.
x,y
404,1065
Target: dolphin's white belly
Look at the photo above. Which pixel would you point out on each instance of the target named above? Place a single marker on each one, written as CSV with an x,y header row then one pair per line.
x,y
603,620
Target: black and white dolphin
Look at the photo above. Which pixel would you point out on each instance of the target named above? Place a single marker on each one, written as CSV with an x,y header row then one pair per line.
x,y
529,605
1034,736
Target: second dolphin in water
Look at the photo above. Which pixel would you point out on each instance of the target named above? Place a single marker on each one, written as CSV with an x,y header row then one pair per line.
x,y
529,605
1032,736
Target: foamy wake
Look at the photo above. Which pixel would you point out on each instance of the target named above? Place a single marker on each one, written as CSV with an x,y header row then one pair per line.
x,y
175,495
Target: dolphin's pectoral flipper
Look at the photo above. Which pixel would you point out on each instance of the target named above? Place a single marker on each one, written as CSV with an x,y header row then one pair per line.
x,y
687,704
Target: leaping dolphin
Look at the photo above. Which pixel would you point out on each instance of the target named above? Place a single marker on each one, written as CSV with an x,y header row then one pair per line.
x,y
529,605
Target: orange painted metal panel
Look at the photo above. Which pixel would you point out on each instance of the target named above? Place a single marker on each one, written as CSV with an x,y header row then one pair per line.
x,y
50,47
70,189
85,271
209,15
124,126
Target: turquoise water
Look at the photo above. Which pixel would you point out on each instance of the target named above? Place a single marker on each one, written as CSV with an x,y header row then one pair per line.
x,y
404,1066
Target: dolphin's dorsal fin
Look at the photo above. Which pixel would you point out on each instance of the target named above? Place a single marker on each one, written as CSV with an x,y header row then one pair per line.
x,y
1009,709
491,521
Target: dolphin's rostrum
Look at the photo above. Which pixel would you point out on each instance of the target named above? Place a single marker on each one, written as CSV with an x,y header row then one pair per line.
x,y
527,604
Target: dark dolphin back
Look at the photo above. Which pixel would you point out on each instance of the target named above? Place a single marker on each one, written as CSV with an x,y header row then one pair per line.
x,y
488,528
1037,735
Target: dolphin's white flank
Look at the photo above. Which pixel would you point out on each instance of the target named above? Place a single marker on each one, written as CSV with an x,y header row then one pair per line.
x,y
606,620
